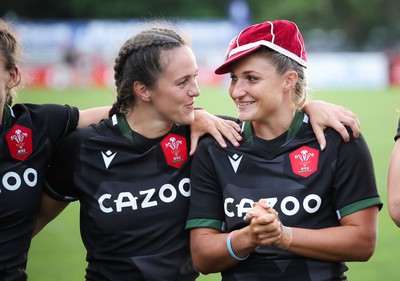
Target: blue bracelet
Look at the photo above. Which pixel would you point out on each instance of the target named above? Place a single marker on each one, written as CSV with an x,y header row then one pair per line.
x,y
228,245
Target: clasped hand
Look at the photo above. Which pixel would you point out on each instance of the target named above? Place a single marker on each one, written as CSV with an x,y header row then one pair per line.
x,y
265,227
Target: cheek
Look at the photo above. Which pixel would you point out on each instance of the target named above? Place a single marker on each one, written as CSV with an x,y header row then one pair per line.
x,y
231,89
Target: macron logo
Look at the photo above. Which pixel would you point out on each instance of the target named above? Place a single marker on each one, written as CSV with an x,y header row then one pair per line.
x,y
235,161
108,157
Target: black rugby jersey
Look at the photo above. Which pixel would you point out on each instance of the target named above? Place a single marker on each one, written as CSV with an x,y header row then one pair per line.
x,y
308,188
134,195
29,134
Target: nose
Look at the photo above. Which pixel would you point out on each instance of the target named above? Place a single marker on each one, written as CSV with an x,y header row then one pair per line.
x,y
194,90
236,90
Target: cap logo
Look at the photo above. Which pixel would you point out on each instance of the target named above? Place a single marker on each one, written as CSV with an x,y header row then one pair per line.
x,y
175,150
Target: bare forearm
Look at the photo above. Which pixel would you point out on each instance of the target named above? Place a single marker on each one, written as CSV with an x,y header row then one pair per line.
x,y
210,250
344,243
49,209
393,185
92,116
210,254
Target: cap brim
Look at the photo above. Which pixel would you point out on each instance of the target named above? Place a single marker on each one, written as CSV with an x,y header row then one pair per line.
x,y
226,66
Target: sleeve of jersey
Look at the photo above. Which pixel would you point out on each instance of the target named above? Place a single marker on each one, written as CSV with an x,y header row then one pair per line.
x,y
355,184
59,175
398,131
63,119
206,209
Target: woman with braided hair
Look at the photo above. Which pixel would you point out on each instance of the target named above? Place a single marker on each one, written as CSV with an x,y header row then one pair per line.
x,y
130,172
29,134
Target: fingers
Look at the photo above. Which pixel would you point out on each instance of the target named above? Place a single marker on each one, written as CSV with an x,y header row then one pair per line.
x,y
194,140
217,127
234,126
319,134
265,228
352,121
218,132
266,213
341,129
324,115
231,131
228,129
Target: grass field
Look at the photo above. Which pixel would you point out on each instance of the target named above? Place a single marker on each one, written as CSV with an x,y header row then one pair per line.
x,y
57,253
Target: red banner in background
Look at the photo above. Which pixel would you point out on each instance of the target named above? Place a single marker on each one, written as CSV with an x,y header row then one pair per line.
x,y
64,76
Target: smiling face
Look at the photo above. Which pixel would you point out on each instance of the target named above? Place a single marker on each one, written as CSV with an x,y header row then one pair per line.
x,y
256,88
176,89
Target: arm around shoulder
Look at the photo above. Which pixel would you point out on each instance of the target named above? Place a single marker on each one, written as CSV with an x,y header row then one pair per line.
x,y
92,116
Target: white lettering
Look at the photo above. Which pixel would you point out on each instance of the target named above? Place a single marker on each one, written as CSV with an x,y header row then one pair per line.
x,y
306,203
146,201
33,182
15,178
101,200
227,213
296,205
122,204
271,202
289,205
162,191
12,180
182,183
167,193
242,209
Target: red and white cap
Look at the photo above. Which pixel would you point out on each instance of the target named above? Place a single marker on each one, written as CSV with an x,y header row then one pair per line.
x,y
280,35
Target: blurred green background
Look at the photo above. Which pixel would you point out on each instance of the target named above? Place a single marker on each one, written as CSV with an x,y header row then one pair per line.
x,y
58,254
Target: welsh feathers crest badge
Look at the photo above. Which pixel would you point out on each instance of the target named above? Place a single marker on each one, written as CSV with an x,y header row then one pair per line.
x,y
19,140
175,150
304,161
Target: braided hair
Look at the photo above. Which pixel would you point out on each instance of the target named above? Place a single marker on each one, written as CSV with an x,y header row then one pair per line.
x,y
139,59
10,53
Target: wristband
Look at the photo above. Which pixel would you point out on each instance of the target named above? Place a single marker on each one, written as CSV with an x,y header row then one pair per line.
x,y
229,246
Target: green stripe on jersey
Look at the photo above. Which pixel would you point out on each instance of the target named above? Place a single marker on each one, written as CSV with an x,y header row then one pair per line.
x,y
197,223
357,206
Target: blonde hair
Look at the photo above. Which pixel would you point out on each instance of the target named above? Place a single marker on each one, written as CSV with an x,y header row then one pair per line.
x,y
282,64
10,53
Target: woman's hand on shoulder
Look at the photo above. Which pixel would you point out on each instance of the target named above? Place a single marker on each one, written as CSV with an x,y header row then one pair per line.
x,y
323,115
206,122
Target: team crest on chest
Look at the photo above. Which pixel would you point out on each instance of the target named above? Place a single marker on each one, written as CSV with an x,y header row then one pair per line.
x,y
19,140
175,150
304,161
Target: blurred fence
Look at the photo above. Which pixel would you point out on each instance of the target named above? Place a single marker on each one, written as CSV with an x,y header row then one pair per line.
x,y
62,54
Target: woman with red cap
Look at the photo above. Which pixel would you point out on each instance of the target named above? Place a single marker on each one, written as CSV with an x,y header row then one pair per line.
x,y
278,207
131,172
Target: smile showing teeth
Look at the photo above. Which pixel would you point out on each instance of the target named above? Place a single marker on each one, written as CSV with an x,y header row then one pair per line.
x,y
244,103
